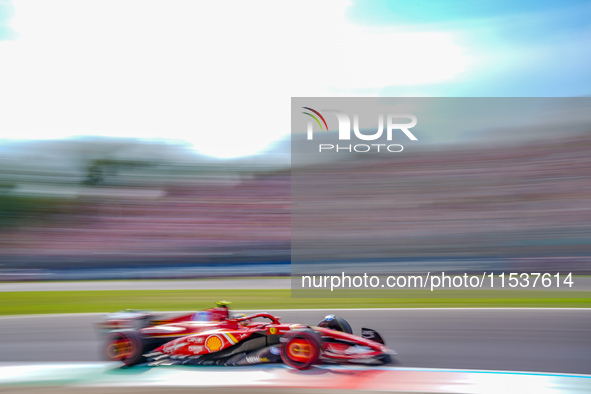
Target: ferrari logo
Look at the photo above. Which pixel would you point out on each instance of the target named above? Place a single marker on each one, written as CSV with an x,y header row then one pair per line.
x,y
273,330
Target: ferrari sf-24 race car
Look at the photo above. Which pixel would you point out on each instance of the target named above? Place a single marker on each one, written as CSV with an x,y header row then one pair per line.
x,y
212,337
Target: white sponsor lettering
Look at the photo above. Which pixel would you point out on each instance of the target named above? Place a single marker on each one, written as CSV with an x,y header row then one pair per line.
x,y
173,348
367,333
253,359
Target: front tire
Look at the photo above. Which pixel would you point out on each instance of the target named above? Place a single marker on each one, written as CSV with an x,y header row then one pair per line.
x,y
300,349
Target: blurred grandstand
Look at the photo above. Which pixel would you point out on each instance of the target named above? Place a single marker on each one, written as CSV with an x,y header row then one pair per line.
x,y
525,205
519,203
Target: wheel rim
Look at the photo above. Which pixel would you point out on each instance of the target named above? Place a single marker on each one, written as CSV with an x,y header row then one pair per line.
x,y
301,350
119,349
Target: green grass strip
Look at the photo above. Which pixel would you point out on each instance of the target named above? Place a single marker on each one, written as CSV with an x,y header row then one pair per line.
x,y
41,302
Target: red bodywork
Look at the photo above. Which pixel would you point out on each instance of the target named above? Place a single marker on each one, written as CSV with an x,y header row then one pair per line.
x,y
198,338
184,336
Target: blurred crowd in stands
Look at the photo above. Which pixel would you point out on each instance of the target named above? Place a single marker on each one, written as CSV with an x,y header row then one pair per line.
x,y
526,200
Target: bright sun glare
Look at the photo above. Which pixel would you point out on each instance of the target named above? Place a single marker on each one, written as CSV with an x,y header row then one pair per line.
x,y
219,75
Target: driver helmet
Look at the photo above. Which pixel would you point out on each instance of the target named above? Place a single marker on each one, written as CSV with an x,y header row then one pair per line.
x,y
221,311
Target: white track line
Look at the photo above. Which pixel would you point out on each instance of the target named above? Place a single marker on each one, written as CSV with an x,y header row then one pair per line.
x,y
308,310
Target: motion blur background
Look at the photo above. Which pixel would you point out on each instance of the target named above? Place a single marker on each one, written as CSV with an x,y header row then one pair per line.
x,y
152,139
489,184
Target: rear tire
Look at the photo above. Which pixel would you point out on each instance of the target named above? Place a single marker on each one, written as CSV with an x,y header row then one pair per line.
x,y
300,349
125,346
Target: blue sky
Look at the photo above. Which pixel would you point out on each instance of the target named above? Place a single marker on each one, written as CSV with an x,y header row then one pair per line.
x,y
197,71
405,12
532,48
6,12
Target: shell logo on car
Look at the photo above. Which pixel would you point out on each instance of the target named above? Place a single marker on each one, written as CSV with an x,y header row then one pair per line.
x,y
213,343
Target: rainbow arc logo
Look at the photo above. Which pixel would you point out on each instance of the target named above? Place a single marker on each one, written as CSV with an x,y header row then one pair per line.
x,y
388,124
315,118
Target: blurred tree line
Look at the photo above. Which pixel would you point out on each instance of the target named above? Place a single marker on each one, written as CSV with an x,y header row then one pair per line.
x,y
20,209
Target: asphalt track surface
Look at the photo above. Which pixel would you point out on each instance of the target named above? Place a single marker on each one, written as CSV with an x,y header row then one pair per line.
x,y
535,340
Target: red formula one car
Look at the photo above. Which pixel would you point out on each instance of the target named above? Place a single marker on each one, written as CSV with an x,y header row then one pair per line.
x,y
212,337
